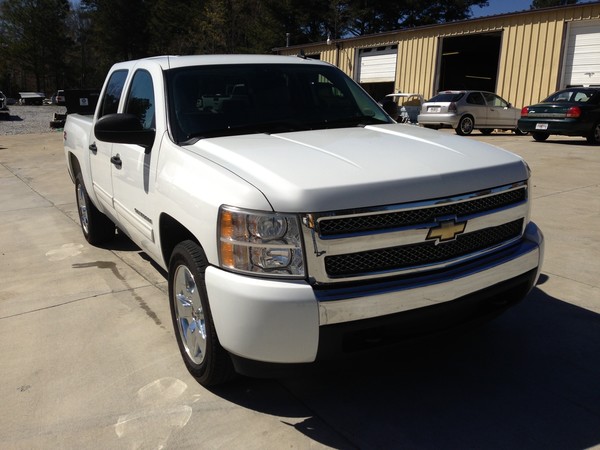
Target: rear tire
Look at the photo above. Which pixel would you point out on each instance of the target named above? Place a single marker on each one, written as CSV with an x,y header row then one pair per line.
x,y
594,137
96,227
519,132
465,126
196,335
486,131
540,137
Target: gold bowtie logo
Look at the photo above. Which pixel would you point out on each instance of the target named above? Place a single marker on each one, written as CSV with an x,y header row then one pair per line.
x,y
446,230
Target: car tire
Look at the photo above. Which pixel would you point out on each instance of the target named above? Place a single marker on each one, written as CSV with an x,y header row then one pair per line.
x,y
96,227
194,328
486,131
519,132
594,136
540,137
465,126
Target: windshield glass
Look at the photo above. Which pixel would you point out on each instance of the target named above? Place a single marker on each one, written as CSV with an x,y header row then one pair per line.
x,y
225,100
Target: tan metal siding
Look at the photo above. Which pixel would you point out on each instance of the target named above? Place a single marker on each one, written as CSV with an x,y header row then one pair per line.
x,y
530,65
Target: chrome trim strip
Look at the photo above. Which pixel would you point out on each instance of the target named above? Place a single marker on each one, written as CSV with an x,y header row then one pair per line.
x,y
311,220
338,311
415,235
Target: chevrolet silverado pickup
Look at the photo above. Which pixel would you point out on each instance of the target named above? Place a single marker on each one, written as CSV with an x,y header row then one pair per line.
x,y
296,220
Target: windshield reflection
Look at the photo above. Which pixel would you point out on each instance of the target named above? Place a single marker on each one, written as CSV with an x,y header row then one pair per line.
x,y
223,100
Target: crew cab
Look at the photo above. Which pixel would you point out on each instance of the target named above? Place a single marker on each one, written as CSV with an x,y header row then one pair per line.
x,y
296,220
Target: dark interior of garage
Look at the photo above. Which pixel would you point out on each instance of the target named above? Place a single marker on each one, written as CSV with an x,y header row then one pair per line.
x,y
470,62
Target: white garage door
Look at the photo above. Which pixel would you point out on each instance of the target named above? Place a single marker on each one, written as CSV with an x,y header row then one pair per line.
x,y
582,55
378,65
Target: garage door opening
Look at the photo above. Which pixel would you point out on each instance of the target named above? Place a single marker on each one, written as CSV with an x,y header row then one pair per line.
x,y
470,62
377,70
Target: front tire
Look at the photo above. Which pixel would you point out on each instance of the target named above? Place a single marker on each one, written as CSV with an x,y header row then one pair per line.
x,y
96,227
196,335
486,131
465,126
594,136
540,137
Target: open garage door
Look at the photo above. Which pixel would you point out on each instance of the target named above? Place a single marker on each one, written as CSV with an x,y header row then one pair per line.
x,y
582,54
470,62
377,70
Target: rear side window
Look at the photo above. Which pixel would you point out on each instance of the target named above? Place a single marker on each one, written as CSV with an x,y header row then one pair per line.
x,y
112,95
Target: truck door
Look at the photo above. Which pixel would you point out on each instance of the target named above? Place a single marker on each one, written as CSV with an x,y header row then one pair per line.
x,y
132,172
101,152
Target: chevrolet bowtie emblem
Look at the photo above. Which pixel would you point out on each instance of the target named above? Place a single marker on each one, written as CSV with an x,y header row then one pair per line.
x,y
446,230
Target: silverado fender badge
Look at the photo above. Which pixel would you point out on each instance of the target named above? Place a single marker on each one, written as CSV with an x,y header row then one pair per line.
x,y
446,230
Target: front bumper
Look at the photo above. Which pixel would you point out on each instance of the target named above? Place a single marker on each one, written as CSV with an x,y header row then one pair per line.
x,y
287,322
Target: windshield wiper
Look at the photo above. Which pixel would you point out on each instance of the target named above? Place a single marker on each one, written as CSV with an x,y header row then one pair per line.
x,y
353,121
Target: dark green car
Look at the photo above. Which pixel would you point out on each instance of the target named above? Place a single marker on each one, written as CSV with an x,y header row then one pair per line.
x,y
569,112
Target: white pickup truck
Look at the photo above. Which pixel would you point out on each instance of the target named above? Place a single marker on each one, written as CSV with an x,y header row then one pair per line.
x,y
296,220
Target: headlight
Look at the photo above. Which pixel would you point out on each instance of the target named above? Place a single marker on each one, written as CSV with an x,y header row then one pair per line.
x,y
260,243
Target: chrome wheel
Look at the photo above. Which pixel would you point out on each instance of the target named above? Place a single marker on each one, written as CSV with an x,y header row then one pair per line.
x,y
465,126
189,314
83,208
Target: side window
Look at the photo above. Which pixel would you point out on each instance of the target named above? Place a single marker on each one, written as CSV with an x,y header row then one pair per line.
x,y
141,99
475,98
494,100
581,97
112,95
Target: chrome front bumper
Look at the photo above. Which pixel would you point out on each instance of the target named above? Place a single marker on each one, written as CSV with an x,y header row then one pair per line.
x,y
280,321
404,295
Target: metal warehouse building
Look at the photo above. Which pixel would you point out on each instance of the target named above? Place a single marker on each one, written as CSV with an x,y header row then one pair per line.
x,y
521,56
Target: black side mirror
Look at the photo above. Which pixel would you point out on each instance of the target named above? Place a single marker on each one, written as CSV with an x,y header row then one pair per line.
x,y
124,129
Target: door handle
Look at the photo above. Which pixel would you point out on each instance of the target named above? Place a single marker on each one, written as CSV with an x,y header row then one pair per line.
x,y
93,148
116,160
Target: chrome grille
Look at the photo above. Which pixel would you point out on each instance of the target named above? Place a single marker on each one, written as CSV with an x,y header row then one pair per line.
x,y
395,240
420,254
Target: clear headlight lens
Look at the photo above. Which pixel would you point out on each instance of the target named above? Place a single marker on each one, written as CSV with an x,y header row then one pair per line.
x,y
260,243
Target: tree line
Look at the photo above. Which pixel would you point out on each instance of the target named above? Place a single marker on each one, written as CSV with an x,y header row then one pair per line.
x,y
47,45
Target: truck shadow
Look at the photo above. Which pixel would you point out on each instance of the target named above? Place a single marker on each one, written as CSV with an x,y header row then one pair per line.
x,y
529,379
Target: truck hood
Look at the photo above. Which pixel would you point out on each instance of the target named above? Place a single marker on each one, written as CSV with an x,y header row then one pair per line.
x,y
324,170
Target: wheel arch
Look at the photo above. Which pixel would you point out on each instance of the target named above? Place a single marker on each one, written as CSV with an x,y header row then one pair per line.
x,y
74,168
172,232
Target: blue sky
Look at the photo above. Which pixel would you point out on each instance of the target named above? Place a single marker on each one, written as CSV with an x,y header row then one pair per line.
x,y
505,6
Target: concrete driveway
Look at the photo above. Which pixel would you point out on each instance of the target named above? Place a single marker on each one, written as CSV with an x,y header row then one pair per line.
x,y
88,358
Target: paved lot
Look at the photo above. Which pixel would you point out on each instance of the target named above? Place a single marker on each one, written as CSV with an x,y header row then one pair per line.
x,y
88,358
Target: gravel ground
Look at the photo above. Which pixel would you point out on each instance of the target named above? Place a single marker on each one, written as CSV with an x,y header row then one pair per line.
x,y
30,119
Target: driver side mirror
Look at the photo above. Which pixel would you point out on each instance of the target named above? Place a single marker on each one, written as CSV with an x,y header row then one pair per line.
x,y
124,129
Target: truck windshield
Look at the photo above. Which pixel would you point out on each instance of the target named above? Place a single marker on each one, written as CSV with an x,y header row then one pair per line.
x,y
225,100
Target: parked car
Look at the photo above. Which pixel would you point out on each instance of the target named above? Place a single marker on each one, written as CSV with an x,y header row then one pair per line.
x,y
31,98
408,106
568,112
60,97
466,111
